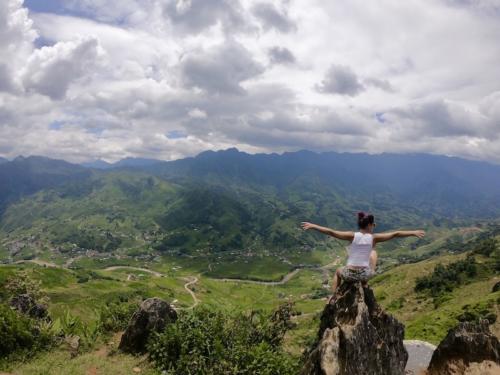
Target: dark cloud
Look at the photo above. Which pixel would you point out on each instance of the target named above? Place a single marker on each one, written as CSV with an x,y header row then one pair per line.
x,y
440,118
281,55
193,16
221,69
381,84
272,18
340,80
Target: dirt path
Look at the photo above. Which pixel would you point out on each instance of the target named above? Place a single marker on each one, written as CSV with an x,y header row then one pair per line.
x,y
40,262
284,280
324,269
147,270
191,281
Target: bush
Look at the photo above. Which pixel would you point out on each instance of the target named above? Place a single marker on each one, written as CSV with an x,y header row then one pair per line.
x,y
486,247
115,316
209,342
22,283
445,278
20,335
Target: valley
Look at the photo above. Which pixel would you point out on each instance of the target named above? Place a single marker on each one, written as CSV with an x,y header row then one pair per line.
x,y
200,233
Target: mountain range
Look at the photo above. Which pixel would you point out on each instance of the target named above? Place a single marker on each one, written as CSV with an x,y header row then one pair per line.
x,y
231,200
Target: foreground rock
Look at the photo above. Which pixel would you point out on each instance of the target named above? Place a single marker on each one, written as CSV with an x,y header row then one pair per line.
x,y
152,316
357,337
467,349
26,304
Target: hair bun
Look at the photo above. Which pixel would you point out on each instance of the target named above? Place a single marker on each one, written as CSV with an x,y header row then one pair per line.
x,y
361,215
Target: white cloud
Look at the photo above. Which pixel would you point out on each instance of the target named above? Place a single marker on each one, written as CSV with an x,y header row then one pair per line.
x,y
167,79
50,70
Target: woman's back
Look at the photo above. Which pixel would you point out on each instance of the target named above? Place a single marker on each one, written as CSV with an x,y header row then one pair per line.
x,y
360,249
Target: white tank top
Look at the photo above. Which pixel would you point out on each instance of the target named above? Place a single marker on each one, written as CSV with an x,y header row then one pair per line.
x,y
360,249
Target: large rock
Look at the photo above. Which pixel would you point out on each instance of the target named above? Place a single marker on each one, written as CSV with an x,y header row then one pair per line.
x,y
26,304
152,316
464,349
356,337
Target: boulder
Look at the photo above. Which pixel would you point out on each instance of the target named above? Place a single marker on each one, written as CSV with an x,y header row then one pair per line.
x,y
152,316
496,287
467,348
26,304
356,337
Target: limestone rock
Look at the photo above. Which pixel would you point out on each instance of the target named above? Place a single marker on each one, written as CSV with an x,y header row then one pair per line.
x,y
464,349
152,316
496,287
73,342
356,337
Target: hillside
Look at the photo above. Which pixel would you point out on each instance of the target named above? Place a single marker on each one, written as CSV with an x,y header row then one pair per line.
x,y
462,290
82,293
220,206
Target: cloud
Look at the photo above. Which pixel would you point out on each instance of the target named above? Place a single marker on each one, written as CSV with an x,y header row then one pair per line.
x,y
50,70
340,80
193,16
281,55
272,18
169,79
381,84
221,69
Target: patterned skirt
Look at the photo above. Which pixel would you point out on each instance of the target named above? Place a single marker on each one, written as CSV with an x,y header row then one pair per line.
x,y
357,274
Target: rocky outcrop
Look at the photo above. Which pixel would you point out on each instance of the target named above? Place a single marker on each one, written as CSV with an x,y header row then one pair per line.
x,y
466,349
26,304
356,337
152,316
496,287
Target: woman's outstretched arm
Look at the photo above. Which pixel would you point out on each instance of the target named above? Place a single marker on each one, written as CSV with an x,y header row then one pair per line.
x,y
347,236
381,237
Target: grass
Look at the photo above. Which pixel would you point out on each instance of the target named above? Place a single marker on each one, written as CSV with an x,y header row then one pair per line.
x,y
60,362
395,291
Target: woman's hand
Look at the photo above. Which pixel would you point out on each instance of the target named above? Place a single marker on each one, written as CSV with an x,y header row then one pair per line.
x,y
419,233
305,225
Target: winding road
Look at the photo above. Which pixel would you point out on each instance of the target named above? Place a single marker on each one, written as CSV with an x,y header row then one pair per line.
x,y
324,269
147,270
192,280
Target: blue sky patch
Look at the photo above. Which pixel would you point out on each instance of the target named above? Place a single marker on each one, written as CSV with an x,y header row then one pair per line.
x,y
176,134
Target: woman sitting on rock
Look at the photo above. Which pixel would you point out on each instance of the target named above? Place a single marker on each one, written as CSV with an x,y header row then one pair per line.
x,y
362,258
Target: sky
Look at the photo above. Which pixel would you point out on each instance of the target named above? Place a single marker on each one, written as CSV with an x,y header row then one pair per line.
x,y
166,79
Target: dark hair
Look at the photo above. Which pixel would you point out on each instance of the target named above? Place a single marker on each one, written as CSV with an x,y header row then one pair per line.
x,y
365,219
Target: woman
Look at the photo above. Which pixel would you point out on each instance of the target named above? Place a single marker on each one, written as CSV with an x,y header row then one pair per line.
x,y
362,258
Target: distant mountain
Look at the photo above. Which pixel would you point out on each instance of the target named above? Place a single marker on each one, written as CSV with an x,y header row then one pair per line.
x,y
449,186
136,162
3,160
97,164
24,176
124,163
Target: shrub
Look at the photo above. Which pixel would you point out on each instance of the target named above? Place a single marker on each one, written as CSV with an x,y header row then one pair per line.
x,y
209,342
486,247
20,335
445,278
115,316
22,283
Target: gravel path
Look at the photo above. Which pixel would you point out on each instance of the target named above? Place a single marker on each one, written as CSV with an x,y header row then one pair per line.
x,y
419,356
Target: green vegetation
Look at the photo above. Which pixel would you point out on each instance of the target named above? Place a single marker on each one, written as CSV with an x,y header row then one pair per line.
x,y
446,278
207,341
20,336
433,295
